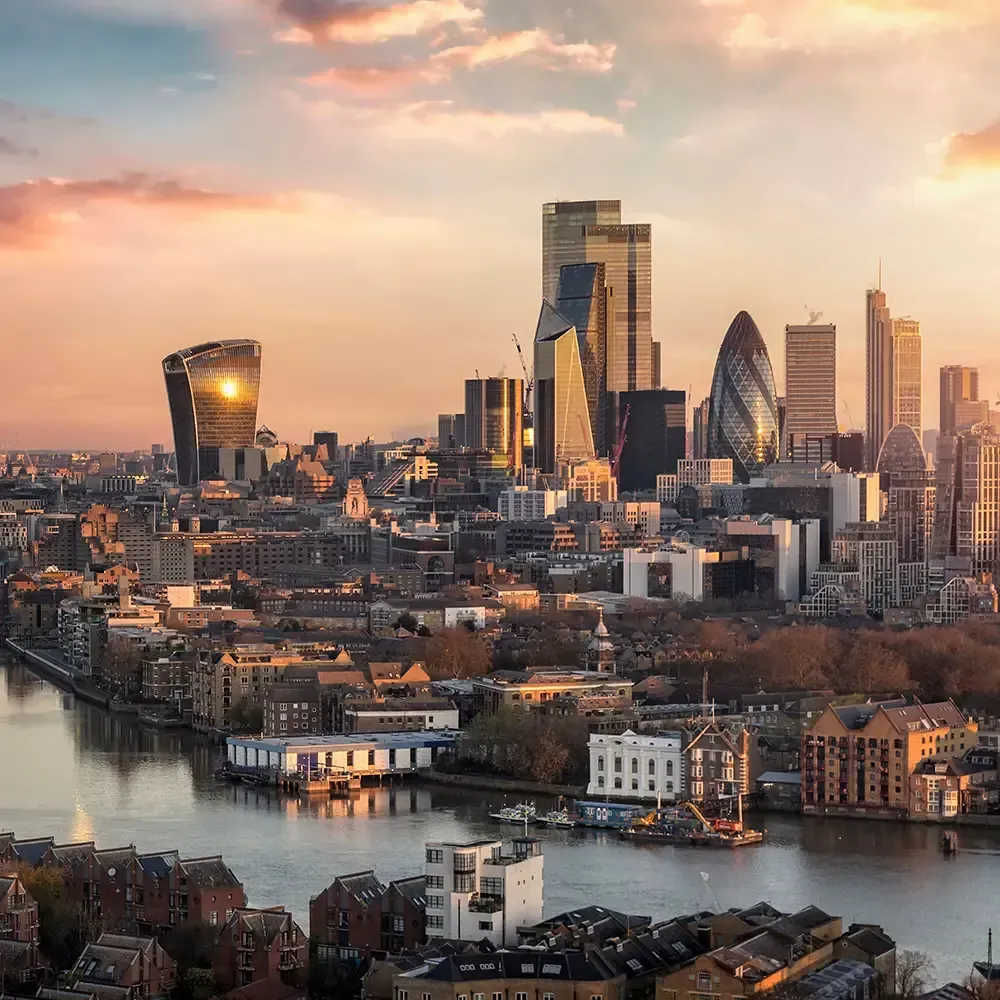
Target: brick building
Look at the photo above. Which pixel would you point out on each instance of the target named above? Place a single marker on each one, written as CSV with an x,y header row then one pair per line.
x,y
264,944
18,912
132,968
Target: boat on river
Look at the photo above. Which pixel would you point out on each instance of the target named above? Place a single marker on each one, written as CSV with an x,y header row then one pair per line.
x,y
686,824
522,813
560,819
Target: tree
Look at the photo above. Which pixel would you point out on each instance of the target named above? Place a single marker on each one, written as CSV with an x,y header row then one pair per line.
x,y
914,974
60,931
456,652
407,621
121,667
870,666
247,717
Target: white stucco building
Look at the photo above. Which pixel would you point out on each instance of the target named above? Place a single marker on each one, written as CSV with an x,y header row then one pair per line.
x,y
636,767
478,890
522,504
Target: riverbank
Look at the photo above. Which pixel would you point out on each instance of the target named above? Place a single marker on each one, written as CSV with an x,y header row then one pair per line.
x,y
64,677
494,783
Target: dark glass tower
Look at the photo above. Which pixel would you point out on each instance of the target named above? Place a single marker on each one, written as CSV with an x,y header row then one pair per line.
x,y
655,438
743,409
212,390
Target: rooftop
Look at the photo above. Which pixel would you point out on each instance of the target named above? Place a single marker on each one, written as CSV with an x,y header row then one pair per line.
x,y
351,741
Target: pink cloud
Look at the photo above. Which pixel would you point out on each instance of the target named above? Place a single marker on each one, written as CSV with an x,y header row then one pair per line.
x,y
317,21
33,212
973,150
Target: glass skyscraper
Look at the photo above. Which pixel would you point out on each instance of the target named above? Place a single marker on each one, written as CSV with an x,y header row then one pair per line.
x,y
907,374
878,373
743,410
563,432
494,409
212,390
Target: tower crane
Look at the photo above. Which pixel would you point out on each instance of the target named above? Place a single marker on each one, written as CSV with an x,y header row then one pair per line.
x,y
529,375
616,454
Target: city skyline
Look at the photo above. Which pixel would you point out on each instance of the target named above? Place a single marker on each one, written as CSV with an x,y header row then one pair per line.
x,y
203,193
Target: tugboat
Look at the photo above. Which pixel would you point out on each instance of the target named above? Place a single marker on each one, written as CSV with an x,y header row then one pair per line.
x,y
949,843
986,971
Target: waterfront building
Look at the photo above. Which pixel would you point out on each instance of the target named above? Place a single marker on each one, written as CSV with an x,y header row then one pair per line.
x,y
212,390
494,411
533,690
959,385
810,380
655,437
859,758
350,753
523,504
357,914
907,374
479,891
131,966
743,415
515,974
587,302
878,373
636,766
400,715
941,789
563,430
18,912
718,761
260,944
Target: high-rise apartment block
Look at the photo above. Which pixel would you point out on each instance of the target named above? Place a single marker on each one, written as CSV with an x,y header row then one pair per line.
x,y
494,413
477,891
959,384
212,390
810,380
878,373
907,374
593,233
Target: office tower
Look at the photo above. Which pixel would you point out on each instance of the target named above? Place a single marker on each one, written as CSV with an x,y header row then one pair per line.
x,y
810,380
449,425
699,430
157,449
902,466
657,365
332,442
592,233
959,384
655,436
562,414
907,374
967,511
563,229
585,300
494,417
743,412
970,412
212,390
878,373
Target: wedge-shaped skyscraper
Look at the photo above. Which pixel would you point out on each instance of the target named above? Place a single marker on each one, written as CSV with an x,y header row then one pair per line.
x,y
212,390
562,414
743,409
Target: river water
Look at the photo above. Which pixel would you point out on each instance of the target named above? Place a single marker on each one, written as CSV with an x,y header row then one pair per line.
x,y
71,771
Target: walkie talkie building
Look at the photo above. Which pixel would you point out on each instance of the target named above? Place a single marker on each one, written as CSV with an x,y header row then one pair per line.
x,y
743,409
212,390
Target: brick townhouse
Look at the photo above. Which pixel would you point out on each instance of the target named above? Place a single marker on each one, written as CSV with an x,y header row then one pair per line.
x,y
264,944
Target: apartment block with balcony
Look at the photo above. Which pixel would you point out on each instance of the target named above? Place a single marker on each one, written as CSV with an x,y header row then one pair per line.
x,y
477,891
261,944
860,758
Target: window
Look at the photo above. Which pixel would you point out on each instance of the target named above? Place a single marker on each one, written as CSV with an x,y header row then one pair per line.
x,y
618,765
600,781
651,768
491,886
486,925
600,763
402,994
670,768
618,782
548,996
520,996
213,917
635,765
635,784
652,785
435,921
435,902
435,856
478,996
435,881
497,996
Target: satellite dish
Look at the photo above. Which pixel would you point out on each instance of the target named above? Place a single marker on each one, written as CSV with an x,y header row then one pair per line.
x,y
112,872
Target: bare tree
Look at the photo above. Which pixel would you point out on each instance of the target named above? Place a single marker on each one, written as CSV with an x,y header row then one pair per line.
x,y
914,974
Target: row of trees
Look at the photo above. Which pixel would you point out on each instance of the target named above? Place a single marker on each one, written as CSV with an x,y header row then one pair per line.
x,y
527,746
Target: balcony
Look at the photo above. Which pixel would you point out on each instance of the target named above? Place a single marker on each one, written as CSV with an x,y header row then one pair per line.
x,y
485,904
465,882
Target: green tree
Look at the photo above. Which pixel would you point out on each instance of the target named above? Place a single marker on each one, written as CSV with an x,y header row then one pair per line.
x,y
61,934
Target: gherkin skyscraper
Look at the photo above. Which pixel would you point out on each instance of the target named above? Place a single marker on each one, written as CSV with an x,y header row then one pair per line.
x,y
743,409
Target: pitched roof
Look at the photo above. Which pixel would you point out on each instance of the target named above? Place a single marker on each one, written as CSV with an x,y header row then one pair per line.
x,y
209,873
265,924
568,966
72,857
266,989
871,941
104,964
364,886
159,865
32,851
414,888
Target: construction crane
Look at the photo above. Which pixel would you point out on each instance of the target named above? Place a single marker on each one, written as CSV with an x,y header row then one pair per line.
x,y
847,410
529,375
616,454
814,317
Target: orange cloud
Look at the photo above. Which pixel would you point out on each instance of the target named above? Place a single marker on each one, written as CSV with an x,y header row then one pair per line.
x,y
32,212
973,150
535,46
356,23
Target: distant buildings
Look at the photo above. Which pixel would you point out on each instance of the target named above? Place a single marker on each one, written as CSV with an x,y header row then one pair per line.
x,y
810,380
743,417
878,373
907,374
699,430
655,439
523,504
960,405
212,390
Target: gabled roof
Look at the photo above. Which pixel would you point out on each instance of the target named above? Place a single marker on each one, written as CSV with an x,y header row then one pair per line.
x,y
104,964
209,873
568,966
32,851
265,924
413,888
73,857
871,941
159,865
364,886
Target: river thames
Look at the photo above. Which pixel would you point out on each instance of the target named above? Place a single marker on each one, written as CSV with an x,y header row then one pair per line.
x,y
76,773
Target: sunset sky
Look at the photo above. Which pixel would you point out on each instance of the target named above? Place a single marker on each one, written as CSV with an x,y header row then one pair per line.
x,y
358,186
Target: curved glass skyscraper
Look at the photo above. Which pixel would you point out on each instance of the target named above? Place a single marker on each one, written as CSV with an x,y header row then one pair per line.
x,y
743,409
212,390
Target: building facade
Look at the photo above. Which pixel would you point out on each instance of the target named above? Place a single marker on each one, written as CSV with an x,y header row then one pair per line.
x,y
878,373
743,414
494,411
907,374
637,766
655,436
810,380
959,384
212,390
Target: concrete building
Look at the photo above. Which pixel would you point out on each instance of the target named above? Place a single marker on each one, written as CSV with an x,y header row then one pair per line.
x,y
810,380
590,481
637,767
785,553
694,472
477,891
870,550
533,690
395,715
523,504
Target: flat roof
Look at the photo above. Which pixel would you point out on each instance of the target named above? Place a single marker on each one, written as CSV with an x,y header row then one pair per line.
x,y
374,741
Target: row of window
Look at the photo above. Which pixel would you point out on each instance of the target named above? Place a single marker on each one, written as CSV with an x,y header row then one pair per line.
x,y
650,784
650,769
405,995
